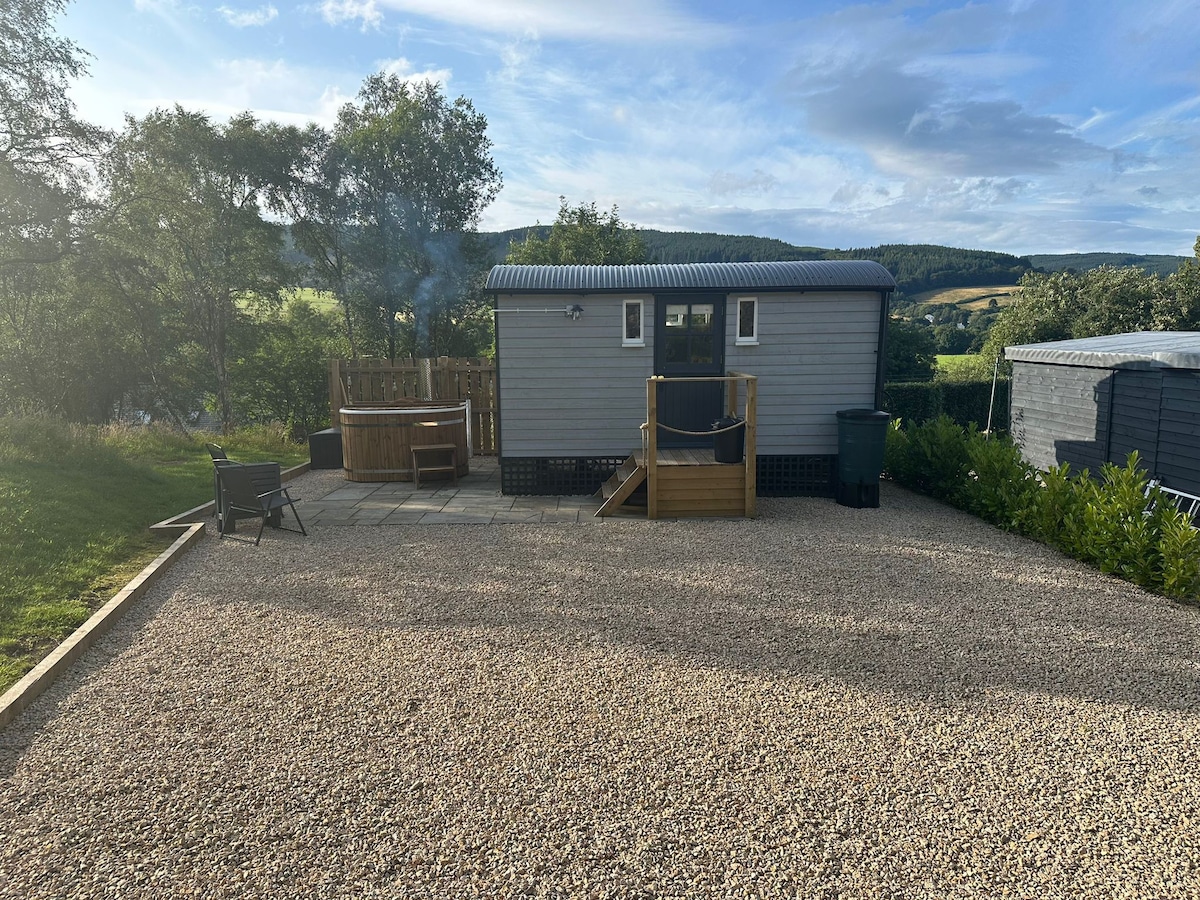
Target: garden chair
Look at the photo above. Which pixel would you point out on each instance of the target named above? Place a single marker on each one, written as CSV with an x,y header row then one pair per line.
x,y
216,451
242,496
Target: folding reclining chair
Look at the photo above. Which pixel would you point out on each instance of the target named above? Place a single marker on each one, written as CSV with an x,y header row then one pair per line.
x,y
241,495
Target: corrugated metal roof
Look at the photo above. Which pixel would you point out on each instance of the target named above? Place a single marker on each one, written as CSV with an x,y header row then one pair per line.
x,y
833,275
1137,349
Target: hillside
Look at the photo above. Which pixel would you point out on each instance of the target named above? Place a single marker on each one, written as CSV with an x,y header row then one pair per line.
x,y
916,267
1155,264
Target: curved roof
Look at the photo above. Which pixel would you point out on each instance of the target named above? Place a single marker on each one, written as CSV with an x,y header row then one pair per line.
x,y
807,275
1137,349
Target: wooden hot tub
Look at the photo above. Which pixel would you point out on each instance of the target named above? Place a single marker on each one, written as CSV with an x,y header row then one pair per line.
x,y
377,441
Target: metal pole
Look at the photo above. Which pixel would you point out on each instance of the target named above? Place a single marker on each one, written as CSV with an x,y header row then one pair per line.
x,y
992,402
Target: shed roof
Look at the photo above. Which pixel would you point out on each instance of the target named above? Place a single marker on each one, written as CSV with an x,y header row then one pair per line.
x,y
1138,349
808,275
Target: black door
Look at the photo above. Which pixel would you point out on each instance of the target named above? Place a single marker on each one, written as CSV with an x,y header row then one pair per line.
x,y
689,340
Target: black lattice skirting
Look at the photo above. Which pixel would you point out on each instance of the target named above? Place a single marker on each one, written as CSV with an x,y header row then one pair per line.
x,y
778,476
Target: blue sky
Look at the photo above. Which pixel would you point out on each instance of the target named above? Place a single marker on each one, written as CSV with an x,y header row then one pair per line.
x,y
1027,126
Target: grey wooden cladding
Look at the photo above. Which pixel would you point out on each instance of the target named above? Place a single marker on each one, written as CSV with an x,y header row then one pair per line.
x,y
1133,424
1086,416
1179,431
1056,411
569,388
816,354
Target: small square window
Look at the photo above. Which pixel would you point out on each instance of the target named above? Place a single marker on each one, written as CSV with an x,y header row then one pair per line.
x,y
747,321
632,335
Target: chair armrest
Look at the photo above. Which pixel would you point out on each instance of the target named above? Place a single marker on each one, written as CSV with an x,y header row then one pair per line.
x,y
278,490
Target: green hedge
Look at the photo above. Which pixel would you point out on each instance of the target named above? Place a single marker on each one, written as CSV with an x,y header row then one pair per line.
x,y
963,402
1115,521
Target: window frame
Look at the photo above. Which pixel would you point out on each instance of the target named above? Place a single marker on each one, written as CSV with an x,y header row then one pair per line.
x,y
640,340
738,340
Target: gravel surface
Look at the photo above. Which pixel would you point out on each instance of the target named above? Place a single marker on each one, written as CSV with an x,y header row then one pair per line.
x,y
823,702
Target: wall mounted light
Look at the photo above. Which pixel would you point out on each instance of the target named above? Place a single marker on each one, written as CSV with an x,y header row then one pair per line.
x,y
574,312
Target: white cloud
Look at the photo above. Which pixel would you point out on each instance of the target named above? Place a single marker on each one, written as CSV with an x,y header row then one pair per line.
x,y
757,182
246,18
403,69
638,20
337,11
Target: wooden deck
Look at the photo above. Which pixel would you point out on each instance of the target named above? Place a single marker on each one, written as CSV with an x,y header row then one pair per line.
x,y
680,456
692,483
689,482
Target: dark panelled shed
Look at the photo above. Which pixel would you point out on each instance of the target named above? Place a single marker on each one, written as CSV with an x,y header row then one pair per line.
x,y
1093,400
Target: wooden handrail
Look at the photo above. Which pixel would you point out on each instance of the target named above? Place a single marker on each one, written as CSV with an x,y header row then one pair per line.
x,y
750,459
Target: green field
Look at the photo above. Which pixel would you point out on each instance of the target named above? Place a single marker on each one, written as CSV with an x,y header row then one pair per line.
x,y
971,298
75,504
321,300
963,367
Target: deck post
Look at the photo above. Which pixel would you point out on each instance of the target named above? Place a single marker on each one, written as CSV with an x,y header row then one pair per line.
x,y
652,446
751,445
336,393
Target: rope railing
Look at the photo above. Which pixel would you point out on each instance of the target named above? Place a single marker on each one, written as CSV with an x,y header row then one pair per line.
x,y
741,424
650,433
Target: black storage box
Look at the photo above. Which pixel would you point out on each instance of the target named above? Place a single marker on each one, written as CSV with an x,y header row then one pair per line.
x,y
325,449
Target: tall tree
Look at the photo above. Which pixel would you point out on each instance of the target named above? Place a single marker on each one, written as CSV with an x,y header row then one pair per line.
x,y
190,252
309,190
1105,300
42,142
282,375
911,351
48,328
1179,308
581,235
417,173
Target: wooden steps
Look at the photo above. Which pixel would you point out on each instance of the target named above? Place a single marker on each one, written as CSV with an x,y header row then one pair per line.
x,y
687,483
621,485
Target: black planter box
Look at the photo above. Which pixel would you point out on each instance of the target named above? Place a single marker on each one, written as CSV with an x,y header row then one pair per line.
x,y
325,449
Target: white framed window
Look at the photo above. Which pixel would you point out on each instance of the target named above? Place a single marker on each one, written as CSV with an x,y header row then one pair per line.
x,y
632,324
747,321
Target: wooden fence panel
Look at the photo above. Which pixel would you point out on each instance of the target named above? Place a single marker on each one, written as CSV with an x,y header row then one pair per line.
x,y
446,378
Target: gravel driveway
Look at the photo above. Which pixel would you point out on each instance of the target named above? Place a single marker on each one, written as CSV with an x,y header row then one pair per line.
x,y
822,702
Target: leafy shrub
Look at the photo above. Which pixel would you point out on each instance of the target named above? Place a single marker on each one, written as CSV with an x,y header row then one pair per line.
x,y
1179,549
930,457
1001,486
1119,537
1112,522
1055,514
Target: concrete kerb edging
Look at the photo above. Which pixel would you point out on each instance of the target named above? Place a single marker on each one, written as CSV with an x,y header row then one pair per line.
x,y
189,528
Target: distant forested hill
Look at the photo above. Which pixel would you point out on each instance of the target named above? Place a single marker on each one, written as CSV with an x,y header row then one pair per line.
x,y
1085,262
692,246
926,267
916,267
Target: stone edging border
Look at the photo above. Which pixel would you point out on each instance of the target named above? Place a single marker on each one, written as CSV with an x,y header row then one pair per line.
x,y
189,528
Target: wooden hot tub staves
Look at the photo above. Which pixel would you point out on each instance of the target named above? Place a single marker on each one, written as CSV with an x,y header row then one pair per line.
x,y
377,441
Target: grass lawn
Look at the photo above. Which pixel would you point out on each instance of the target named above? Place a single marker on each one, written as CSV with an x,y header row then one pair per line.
x,y
75,503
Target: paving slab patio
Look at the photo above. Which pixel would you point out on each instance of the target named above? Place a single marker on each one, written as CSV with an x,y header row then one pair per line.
x,y
474,499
